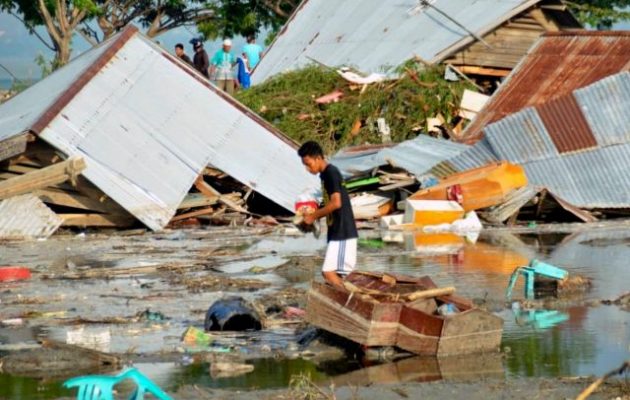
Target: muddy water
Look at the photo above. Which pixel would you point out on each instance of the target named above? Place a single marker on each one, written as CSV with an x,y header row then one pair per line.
x,y
568,338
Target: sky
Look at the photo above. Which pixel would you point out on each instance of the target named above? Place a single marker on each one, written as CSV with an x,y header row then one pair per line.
x,y
18,48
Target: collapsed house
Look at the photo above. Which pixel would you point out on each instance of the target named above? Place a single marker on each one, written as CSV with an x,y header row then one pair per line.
x,y
557,64
561,116
486,38
124,131
577,146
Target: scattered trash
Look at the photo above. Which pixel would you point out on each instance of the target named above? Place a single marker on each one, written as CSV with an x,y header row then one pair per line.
x,y
196,337
232,314
471,104
152,316
10,274
95,387
353,77
227,370
95,340
368,206
12,322
332,97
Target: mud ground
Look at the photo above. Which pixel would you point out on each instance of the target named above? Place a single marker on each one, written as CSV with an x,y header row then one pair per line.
x,y
145,289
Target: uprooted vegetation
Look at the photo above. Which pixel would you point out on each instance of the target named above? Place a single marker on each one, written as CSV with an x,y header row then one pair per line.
x,y
288,102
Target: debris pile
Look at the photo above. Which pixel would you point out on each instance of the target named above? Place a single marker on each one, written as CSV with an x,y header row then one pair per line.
x,y
101,156
317,103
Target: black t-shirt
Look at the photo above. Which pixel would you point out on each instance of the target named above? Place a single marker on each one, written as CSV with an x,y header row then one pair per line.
x,y
341,225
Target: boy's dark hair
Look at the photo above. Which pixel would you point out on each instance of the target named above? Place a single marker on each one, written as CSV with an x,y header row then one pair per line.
x,y
179,46
311,149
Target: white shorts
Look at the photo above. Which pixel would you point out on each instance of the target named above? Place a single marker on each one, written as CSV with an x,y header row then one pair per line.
x,y
341,256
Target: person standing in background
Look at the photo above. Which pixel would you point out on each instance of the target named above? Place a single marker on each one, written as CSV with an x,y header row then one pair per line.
x,y
200,60
221,67
179,52
242,74
254,51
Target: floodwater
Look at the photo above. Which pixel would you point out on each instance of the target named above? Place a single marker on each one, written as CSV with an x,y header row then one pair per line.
x,y
573,337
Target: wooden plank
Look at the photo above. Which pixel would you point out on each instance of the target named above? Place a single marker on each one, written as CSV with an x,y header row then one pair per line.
x,y
548,23
12,147
397,185
473,70
21,169
96,220
193,214
52,175
194,200
74,200
211,192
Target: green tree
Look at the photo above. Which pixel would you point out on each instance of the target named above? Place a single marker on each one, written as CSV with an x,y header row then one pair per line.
x,y
600,13
156,16
213,18
59,17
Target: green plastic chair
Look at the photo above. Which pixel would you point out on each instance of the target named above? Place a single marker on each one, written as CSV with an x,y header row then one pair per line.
x,y
100,387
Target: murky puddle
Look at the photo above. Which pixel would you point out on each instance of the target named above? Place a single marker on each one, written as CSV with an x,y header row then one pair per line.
x,y
567,339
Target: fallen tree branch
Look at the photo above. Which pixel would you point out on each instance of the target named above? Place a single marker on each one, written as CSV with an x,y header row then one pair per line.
x,y
617,371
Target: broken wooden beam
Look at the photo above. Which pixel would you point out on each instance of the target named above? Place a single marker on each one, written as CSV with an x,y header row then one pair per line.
x,y
97,220
12,147
195,200
192,214
39,179
209,191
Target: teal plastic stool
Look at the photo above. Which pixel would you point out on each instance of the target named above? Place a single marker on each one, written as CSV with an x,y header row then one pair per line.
x,y
100,387
534,268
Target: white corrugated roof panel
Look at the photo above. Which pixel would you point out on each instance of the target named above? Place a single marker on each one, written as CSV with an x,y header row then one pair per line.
x,y
147,126
374,35
27,217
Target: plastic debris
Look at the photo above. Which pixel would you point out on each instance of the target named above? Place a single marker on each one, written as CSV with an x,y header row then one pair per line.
x,y
12,273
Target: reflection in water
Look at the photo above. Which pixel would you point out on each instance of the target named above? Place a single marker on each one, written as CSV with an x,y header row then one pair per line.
x,y
540,319
426,369
559,342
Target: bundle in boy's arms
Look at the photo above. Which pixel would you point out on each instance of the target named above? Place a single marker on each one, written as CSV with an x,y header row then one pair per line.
x,y
303,207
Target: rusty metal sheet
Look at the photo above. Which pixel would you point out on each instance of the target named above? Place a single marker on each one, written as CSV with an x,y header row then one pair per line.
x,y
566,124
557,64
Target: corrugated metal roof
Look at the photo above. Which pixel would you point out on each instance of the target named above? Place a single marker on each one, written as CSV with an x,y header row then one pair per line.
x,y
557,64
421,154
528,137
418,156
479,154
566,124
374,35
27,217
147,125
595,177
609,124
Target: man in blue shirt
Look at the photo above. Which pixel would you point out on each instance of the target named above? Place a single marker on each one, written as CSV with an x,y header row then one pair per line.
x,y
253,51
221,67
